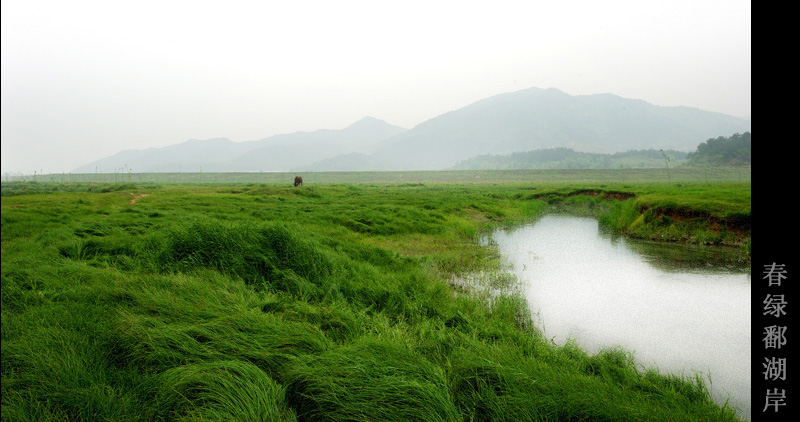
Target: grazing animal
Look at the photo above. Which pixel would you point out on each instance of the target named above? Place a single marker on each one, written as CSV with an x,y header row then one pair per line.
x,y
298,180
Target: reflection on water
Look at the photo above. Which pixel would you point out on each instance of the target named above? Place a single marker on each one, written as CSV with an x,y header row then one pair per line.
x,y
676,257
682,315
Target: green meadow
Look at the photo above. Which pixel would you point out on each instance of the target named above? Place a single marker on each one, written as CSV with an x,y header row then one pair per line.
x,y
251,300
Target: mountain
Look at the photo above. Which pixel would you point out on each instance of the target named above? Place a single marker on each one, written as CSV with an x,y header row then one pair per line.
x,y
191,156
526,120
547,118
288,152
276,153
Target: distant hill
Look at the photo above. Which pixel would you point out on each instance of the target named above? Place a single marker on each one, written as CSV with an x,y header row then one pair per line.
x,y
526,120
191,156
547,118
288,152
276,153
348,162
567,158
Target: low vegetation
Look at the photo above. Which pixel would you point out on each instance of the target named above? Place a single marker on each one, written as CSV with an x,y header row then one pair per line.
x,y
333,302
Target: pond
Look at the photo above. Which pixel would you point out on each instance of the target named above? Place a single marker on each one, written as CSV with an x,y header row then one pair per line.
x,y
681,310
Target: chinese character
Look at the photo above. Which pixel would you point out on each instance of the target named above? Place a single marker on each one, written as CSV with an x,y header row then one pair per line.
x,y
775,398
773,305
774,273
775,369
774,337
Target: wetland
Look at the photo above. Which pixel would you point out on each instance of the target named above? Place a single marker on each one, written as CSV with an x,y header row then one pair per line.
x,y
245,300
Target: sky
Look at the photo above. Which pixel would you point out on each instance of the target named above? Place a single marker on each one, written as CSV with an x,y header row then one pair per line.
x,y
85,79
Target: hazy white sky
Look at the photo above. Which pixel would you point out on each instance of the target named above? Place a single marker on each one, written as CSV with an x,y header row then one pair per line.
x,y
84,79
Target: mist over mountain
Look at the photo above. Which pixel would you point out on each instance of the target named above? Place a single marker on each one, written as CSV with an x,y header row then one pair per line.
x,y
530,119
275,153
536,118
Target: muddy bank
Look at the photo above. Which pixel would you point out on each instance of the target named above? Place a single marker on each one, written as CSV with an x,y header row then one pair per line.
x,y
653,220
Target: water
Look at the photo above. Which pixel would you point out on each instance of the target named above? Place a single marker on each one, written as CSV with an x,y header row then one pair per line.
x,y
675,312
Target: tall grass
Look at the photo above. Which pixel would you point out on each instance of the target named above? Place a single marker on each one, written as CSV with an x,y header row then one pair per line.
x,y
221,391
371,379
265,302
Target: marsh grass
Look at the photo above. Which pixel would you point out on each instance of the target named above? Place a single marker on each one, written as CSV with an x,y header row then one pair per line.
x,y
335,302
221,391
372,379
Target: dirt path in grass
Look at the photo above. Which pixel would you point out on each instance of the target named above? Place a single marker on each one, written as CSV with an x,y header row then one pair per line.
x,y
135,197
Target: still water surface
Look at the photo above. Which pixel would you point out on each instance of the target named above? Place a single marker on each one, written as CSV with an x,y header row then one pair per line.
x,y
682,314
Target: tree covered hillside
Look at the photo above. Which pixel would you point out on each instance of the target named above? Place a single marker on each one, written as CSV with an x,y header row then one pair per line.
x,y
567,158
732,151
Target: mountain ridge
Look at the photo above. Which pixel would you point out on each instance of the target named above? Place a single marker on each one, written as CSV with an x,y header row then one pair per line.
x,y
524,120
273,153
538,118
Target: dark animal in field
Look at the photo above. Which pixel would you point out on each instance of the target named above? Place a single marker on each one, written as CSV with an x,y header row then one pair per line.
x,y
298,180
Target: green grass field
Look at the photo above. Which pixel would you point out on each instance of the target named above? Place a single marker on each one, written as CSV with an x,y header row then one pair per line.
x,y
250,300
627,175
